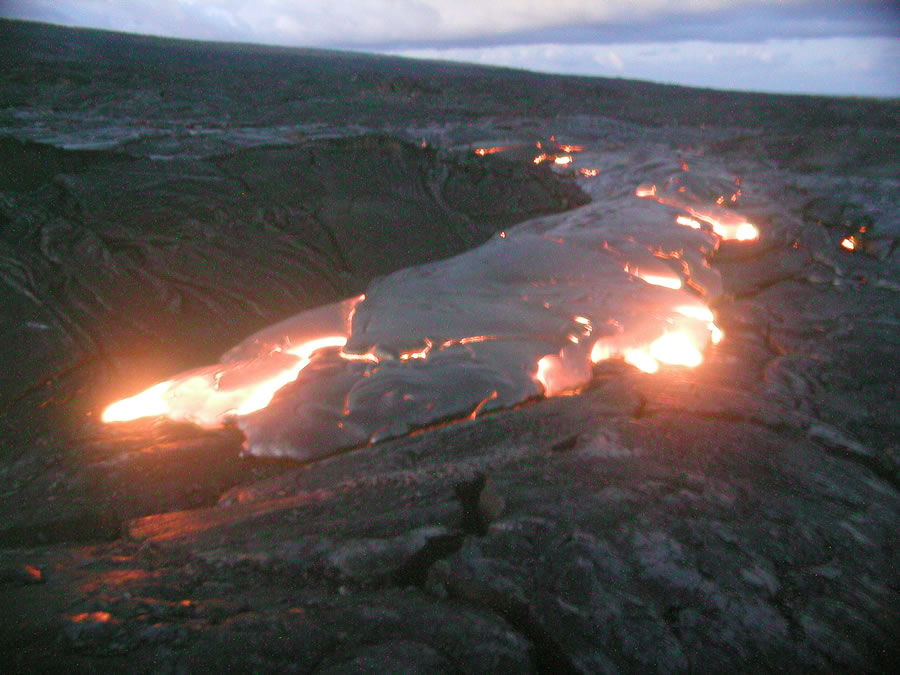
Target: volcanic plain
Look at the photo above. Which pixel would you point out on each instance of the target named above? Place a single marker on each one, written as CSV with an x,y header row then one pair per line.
x,y
160,200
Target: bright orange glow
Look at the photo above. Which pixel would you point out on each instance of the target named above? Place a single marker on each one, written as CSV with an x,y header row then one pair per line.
x,y
641,360
849,243
207,396
673,328
544,368
673,281
99,617
698,312
420,354
746,232
489,151
688,222
676,349
571,148
259,394
149,403
558,376
725,223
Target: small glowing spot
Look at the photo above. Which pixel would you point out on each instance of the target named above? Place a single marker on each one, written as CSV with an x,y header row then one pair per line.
x,y
540,158
849,243
589,173
688,222
715,334
99,617
421,354
481,152
646,190
563,160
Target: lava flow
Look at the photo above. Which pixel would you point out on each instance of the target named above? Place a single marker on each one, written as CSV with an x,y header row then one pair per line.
x,y
527,314
724,222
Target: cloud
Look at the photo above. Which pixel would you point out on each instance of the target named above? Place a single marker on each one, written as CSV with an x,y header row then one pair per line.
x,y
842,66
845,46
397,23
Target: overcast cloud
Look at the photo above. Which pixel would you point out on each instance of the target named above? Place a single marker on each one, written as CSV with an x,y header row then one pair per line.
x,y
810,46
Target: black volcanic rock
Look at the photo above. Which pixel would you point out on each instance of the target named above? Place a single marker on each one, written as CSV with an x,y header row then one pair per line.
x,y
160,199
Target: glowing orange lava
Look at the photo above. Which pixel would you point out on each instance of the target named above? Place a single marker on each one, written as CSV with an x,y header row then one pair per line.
x,y
726,223
675,329
849,243
207,396
481,152
668,281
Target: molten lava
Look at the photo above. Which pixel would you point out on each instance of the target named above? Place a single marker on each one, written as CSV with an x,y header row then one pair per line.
x,y
528,313
481,152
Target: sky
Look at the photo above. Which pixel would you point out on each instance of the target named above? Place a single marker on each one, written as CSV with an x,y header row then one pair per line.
x,y
838,47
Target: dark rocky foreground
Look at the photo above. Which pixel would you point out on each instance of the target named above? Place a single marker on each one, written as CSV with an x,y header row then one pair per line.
x,y
159,200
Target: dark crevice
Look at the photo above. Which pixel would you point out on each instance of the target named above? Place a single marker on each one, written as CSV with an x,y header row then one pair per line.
x,y
722,416
91,527
566,444
873,464
756,289
414,572
468,493
549,657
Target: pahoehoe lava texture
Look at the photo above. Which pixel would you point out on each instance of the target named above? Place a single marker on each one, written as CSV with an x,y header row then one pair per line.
x,y
111,259
161,200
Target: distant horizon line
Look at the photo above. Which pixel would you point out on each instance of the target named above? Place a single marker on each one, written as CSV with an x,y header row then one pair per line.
x,y
397,54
